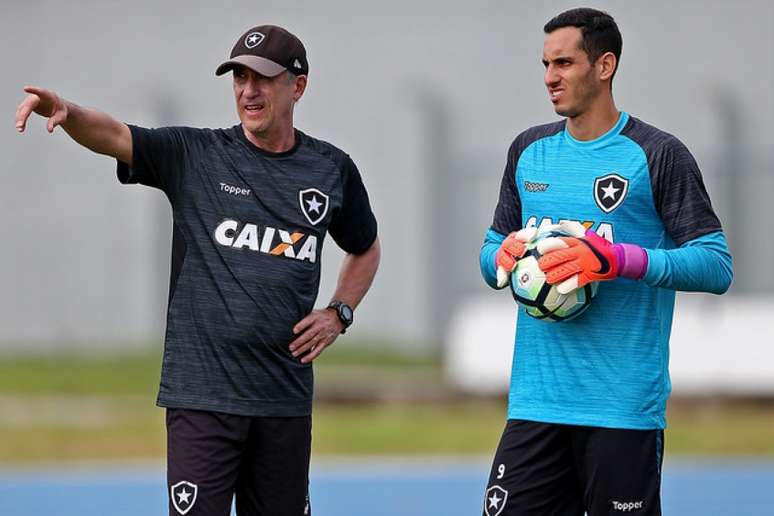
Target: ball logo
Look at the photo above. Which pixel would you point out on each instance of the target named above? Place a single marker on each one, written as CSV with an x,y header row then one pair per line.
x,y
183,496
314,204
525,278
610,191
254,39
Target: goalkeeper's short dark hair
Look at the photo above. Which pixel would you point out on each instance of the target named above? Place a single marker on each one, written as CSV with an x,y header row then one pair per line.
x,y
599,30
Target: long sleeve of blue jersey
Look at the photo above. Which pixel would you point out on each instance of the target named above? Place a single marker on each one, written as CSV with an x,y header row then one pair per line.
x,y
486,256
702,264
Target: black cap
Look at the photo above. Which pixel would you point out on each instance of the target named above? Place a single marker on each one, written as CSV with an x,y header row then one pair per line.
x,y
268,50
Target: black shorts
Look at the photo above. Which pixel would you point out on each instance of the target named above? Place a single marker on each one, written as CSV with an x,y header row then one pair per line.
x,y
213,457
547,469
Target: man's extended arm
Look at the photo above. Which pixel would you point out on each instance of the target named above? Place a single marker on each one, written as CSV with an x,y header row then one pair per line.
x,y
93,129
319,329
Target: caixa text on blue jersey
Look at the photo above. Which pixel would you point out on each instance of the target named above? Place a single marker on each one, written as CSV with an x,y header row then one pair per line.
x,y
604,229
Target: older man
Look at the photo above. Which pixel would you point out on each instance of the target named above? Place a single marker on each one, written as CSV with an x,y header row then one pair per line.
x,y
251,207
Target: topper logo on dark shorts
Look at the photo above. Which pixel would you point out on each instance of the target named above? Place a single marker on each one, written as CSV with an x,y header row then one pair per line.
x,y
314,204
610,191
183,496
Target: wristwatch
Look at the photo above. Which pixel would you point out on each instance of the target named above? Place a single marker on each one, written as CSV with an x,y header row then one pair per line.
x,y
344,311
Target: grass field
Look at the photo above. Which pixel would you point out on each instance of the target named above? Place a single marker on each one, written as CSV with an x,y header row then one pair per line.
x,y
75,408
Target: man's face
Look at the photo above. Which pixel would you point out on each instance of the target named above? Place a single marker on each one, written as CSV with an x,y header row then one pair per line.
x,y
265,104
570,78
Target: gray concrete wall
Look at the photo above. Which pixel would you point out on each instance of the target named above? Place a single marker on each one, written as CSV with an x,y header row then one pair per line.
x,y
426,97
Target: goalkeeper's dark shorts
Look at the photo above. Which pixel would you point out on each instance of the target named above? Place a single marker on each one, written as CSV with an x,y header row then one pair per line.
x,y
260,462
547,469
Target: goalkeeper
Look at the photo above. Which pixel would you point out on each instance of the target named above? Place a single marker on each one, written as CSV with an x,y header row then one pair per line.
x,y
588,396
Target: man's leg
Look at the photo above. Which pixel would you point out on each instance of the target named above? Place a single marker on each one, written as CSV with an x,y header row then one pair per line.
x,y
620,470
274,478
533,473
204,452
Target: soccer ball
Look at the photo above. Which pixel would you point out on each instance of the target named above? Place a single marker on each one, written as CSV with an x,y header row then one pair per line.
x,y
541,300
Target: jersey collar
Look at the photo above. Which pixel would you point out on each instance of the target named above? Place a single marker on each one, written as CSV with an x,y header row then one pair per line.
x,y
262,152
603,140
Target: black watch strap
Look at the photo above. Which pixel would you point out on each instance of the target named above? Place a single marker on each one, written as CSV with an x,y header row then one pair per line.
x,y
344,311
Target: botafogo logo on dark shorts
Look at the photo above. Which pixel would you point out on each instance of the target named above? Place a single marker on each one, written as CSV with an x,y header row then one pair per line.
x,y
183,496
495,500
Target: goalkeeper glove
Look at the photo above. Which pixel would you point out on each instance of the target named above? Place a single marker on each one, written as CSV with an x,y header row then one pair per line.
x,y
512,248
574,261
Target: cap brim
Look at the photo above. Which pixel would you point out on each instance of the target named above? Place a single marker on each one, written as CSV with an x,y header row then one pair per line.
x,y
257,64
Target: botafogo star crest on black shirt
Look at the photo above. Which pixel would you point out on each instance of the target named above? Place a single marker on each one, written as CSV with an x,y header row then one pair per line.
x,y
314,204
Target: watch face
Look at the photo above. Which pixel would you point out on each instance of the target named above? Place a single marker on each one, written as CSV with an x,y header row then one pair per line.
x,y
346,313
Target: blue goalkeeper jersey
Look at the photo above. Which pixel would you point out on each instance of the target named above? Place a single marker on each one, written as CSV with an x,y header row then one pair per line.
x,y
635,184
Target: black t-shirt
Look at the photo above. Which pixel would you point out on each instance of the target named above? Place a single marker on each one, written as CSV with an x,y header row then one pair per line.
x,y
248,232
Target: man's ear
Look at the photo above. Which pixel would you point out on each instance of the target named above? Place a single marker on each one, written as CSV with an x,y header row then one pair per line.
x,y
300,87
607,63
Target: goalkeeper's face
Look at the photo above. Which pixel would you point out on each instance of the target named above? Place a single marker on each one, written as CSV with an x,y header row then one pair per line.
x,y
570,77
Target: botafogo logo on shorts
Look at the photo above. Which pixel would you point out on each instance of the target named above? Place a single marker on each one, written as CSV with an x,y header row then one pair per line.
x,y
495,500
268,240
183,496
